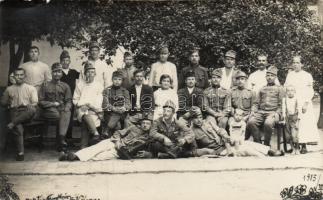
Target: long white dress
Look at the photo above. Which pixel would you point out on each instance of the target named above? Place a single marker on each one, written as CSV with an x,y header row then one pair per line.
x,y
303,83
160,97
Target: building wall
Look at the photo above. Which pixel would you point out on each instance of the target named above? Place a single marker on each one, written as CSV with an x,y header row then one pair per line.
x,y
50,54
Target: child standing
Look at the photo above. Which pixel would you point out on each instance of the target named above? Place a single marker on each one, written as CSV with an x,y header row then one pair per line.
x,y
290,115
237,129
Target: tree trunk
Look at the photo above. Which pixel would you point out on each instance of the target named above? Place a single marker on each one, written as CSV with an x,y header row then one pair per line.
x,y
320,122
16,56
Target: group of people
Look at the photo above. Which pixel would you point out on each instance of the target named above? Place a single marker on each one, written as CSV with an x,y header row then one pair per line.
x,y
128,113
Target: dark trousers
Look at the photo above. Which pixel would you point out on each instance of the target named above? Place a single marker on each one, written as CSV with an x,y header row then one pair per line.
x,y
113,121
19,116
266,118
53,114
187,150
69,133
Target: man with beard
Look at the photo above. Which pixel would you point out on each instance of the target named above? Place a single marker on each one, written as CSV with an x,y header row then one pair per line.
x,y
131,142
257,79
22,100
172,138
55,102
201,73
36,71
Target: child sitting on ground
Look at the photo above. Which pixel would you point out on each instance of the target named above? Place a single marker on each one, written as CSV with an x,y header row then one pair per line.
x,y
290,116
237,129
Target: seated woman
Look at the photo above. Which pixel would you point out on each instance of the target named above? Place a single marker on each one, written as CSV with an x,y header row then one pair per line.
x,y
88,99
164,94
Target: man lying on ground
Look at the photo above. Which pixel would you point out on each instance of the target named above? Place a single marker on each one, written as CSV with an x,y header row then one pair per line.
x,y
131,142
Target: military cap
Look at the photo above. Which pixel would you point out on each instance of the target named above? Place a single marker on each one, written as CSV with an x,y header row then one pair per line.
x,y
57,66
64,54
88,66
189,73
240,74
195,111
117,73
94,44
169,104
146,116
163,50
231,54
272,70
217,72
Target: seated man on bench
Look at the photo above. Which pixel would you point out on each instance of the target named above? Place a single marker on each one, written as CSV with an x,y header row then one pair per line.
x,y
21,99
55,102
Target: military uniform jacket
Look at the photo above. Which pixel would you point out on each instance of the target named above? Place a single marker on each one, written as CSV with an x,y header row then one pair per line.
x,y
174,131
187,100
114,97
243,99
51,92
269,98
209,135
217,100
201,75
131,136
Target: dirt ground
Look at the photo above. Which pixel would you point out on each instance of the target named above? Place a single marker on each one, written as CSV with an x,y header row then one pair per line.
x,y
41,175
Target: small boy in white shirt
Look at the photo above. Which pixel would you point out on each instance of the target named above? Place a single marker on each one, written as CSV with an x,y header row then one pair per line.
x,y
237,129
290,116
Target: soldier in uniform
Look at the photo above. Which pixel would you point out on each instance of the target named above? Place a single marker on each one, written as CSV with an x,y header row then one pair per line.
x,y
229,70
116,104
217,102
209,137
55,101
268,107
131,142
190,95
201,73
173,139
242,98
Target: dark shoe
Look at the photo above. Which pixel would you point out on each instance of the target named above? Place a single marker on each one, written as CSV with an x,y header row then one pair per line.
x,y
62,156
104,136
20,157
95,139
72,157
304,150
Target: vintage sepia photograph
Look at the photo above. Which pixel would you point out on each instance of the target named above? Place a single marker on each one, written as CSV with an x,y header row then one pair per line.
x,y
161,99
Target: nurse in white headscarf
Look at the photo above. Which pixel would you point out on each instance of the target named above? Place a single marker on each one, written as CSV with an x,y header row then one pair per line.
x,y
303,83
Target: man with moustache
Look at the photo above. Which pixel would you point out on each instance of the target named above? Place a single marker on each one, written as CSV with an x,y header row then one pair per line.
x,y
217,102
55,102
22,100
268,109
103,70
131,142
172,138
257,79
141,97
201,73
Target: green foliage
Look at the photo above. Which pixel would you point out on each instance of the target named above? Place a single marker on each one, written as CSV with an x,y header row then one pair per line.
x,y
279,28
